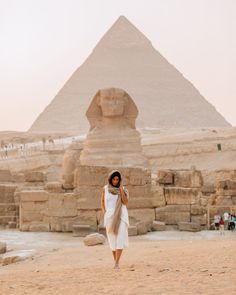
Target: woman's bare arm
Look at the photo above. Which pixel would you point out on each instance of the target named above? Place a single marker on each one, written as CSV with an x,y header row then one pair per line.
x,y
124,197
102,201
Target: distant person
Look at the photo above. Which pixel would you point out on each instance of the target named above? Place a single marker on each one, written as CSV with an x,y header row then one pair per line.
x,y
226,220
232,221
116,220
217,221
44,142
222,227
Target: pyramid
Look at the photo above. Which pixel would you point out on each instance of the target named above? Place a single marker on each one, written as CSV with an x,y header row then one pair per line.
x,y
125,58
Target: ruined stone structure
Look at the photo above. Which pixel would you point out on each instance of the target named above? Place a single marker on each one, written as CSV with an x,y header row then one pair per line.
x,y
113,139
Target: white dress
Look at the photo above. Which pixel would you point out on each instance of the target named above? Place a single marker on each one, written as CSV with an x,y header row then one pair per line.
x,y
120,240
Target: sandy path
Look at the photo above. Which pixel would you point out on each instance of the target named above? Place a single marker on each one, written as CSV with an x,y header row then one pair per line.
x,y
147,267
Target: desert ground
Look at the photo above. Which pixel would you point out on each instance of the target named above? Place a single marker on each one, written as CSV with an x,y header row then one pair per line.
x,y
157,263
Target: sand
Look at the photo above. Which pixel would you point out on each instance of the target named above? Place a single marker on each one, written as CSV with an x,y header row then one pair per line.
x,y
157,263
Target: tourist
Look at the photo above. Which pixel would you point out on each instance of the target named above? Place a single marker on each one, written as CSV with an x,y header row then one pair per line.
x,y
226,220
217,221
222,227
231,222
116,220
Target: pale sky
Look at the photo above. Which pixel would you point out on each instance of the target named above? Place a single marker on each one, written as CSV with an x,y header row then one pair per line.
x,y
42,42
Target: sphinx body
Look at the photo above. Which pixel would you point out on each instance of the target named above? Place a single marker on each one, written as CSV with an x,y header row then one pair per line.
x,y
113,138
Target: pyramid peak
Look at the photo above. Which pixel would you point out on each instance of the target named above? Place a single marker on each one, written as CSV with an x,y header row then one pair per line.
x,y
123,34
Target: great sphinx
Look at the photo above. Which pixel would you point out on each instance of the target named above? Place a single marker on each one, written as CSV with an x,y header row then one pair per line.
x,y
112,138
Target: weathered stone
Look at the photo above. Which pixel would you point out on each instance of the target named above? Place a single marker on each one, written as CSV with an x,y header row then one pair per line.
x,y
3,247
34,196
39,227
15,256
141,228
89,198
209,178
158,196
94,239
188,179
5,175
165,177
158,226
80,230
224,200
132,230
172,214
234,200
24,226
145,215
62,205
54,187
199,219
189,226
197,210
113,139
35,176
139,176
12,224
7,193
181,196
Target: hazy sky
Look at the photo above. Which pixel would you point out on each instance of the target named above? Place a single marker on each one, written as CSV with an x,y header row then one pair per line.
x,y
42,42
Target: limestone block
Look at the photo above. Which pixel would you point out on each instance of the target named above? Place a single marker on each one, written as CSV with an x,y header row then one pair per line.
x,y
54,187
139,176
172,214
89,197
197,210
94,239
204,201
3,247
145,215
24,226
234,200
158,226
15,256
39,227
7,193
209,178
12,224
189,226
62,205
158,195
36,207
34,196
141,228
132,230
226,184
189,179
5,175
165,177
181,196
81,230
86,217
35,176
199,219
91,176
224,200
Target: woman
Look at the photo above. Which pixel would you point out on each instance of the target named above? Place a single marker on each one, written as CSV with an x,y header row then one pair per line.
x,y
116,220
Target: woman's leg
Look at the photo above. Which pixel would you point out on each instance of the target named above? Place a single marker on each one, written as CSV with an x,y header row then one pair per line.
x,y
114,254
118,255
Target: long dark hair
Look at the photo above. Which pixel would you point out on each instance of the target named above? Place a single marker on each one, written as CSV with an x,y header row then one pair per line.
x,y
112,175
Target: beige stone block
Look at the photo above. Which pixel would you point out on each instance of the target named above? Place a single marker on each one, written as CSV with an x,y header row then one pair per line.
x,y
198,210
132,230
62,205
24,226
234,200
165,177
158,195
224,200
7,193
35,176
54,187
5,175
94,239
145,215
141,228
158,226
39,227
209,178
34,196
172,214
91,176
89,198
3,247
81,230
189,226
30,216
139,176
188,179
200,219
181,196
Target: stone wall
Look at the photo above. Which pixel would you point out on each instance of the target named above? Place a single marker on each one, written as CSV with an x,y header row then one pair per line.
x,y
9,210
169,196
